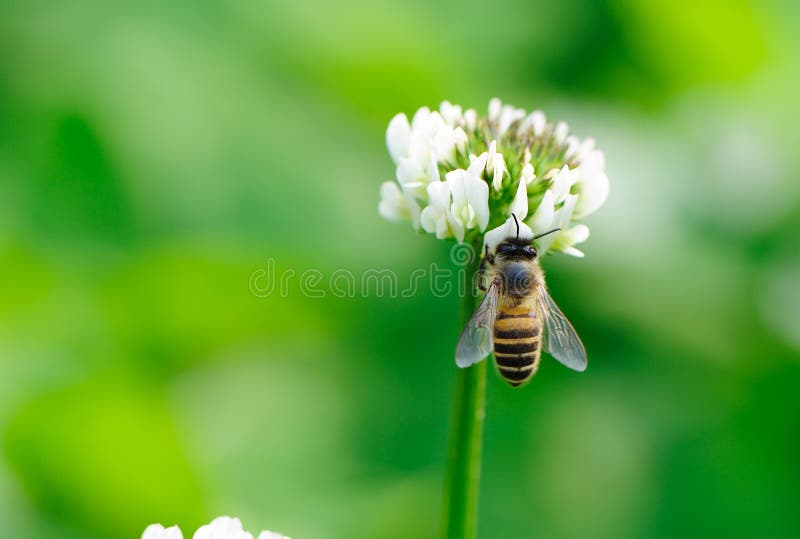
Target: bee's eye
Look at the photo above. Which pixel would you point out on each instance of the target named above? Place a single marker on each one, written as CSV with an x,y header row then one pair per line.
x,y
504,248
530,252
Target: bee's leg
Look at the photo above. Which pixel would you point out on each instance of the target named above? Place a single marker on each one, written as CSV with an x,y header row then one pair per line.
x,y
487,259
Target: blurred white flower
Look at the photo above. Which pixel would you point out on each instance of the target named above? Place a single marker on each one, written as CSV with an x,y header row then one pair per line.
x,y
498,153
157,531
219,528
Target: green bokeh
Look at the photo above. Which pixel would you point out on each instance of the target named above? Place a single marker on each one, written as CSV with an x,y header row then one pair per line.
x,y
153,156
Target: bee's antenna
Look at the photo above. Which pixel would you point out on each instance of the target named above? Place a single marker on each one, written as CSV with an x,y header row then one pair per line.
x,y
546,233
517,223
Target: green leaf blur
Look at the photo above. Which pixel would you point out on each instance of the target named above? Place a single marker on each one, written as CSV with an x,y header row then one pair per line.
x,y
153,156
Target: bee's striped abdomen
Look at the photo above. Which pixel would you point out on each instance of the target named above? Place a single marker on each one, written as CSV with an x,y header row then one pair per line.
x,y
517,341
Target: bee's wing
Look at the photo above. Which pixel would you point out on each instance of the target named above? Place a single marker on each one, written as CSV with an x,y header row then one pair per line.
x,y
560,339
476,342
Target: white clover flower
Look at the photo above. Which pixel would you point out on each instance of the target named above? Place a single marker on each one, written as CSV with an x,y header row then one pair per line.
x,y
219,528
459,175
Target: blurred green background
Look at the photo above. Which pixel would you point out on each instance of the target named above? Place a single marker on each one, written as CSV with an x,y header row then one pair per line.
x,y
154,155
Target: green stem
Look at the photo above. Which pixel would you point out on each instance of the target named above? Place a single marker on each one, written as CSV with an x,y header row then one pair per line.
x,y
460,504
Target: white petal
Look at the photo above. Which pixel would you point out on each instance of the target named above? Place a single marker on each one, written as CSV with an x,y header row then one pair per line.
x,y
495,107
455,181
420,120
439,194
519,206
444,143
560,133
567,239
561,219
490,154
410,171
390,190
442,230
455,226
593,162
413,209
433,168
586,147
578,233
564,213
477,164
461,139
528,174
392,205
496,164
572,251
478,196
508,116
428,218
499,168
573,144
451,113
471,119
542,219
397,135
593,194
539,121
562,183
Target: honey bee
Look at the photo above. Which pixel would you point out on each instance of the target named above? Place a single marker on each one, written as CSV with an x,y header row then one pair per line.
x,y
517,315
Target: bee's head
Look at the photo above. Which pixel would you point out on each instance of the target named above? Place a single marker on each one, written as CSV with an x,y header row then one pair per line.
x,y
515,247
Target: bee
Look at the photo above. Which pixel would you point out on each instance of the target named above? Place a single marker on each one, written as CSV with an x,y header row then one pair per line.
x,y
517,316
